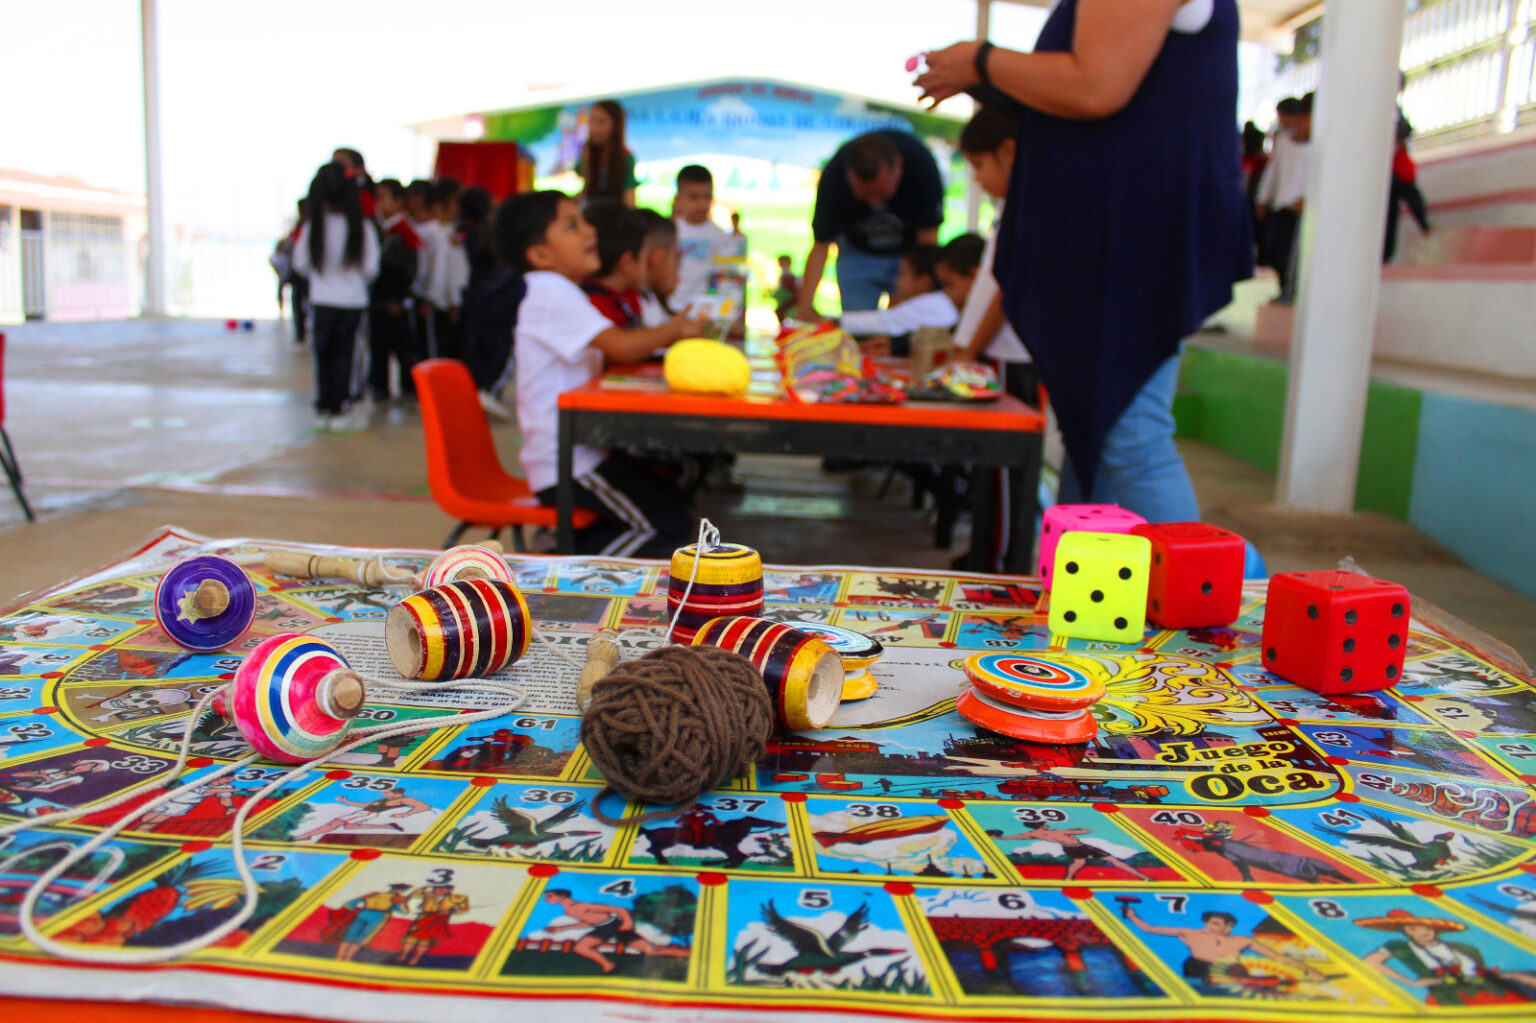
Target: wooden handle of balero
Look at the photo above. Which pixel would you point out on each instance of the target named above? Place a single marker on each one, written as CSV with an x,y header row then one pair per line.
x,y
372,574
602,655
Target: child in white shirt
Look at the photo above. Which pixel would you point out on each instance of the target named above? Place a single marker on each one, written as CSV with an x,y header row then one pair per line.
x,y
662,260
917,300
339,252
699,239
561,343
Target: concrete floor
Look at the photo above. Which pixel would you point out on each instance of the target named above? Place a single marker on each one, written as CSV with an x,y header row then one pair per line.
x,y
123,427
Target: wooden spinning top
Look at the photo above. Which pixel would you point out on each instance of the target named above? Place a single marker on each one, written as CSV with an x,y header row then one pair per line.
x,y
205,602
292,698
1030,698
858,653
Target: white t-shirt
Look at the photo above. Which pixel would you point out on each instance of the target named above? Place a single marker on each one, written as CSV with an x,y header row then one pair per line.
x,y
1284,181
1005,346
930,309
331,283
555,326
431,234
697,245
450,270
652,312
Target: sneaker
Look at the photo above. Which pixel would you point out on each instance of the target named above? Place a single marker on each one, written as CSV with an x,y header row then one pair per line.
x,y
493,408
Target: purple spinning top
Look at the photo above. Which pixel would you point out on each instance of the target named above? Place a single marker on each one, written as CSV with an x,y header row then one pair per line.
x,y
205,602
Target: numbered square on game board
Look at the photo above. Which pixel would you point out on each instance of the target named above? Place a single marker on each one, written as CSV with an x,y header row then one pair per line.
x,y
107,705
1230,948
634,926
531,822
719,832
1424,950
794,935
532,745
375,811
407,913
28,855
1408,850
204,809
36,625
194,895
891,839
1068,843
1039,944
1232,847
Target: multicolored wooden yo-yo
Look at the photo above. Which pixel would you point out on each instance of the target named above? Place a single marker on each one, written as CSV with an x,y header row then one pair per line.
x,y
205,602
804,674
467,561
728,583
1030,698
292,698
466,629
857,651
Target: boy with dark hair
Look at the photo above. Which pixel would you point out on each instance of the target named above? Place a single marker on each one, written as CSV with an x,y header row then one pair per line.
x,y
661,260
1281,194
699,239
561,343
917,300
389,327
615,289
450,274
423,204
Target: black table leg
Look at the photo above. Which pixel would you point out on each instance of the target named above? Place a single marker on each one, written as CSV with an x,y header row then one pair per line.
x,y
1025,504
565,488
983,518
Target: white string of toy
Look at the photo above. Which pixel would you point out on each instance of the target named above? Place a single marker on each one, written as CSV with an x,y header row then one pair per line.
x,y
708,536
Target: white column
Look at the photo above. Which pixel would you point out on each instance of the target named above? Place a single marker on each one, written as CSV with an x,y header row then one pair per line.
x,y
972,190
1341,241
154,270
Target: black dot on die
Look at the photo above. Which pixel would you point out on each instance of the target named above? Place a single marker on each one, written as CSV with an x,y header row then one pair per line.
x,y
1206,587
1350,617
1121,623
1155,605
1397,610
1069,616
1157,559
1346,674
1071,568
1394,641
1047,527
1311,610
1349,646
1097,596
1391,671
1269,655
1125,573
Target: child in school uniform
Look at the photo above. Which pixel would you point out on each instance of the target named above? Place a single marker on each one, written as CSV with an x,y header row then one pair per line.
x,y
561,343
614,290
389,325
918,300
699,239
423,205
450,275
339,252
661,258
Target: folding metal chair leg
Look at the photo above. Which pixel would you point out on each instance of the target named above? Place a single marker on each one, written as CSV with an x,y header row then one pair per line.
x,y
13,473
453,537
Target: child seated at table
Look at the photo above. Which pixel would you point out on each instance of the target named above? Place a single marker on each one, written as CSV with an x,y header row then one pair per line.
x,y
917,301
561,343
662,260
615,290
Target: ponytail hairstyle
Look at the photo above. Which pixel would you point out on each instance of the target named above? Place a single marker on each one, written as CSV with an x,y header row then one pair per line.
x,y
334,190
609,156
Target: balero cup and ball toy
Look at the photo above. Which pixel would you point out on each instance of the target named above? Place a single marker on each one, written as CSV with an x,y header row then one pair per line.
x,y
293,698
205,602
727,582
465,629
804,675
469,561
858,653
1030,698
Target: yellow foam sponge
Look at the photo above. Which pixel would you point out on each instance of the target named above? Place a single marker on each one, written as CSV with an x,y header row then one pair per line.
x,y
701,366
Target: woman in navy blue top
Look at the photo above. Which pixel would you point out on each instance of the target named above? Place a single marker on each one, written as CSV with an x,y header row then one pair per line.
x,y
1126,224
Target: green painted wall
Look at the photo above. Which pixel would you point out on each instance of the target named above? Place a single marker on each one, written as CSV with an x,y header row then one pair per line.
x,y
1236,402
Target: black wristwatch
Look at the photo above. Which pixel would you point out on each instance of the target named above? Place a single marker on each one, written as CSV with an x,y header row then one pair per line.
x,y
982,53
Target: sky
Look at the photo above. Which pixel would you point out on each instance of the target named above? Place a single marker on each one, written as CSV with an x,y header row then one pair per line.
x,y
255,96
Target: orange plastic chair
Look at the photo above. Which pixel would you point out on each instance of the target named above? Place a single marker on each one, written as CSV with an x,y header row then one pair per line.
x,y
463,470
8,463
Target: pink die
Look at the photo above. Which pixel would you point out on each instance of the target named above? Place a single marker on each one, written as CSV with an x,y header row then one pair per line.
x,y
1090,518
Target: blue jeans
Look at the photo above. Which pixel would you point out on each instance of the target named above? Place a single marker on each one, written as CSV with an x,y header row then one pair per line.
x,y
862,278
1139,466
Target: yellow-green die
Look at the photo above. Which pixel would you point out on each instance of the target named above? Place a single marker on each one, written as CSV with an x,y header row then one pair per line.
x,y
1100,586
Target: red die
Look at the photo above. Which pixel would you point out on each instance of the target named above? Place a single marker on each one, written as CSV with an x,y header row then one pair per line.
x,y
1335,632
1197,574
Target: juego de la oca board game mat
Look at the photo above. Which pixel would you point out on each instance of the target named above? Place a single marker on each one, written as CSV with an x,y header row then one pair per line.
x,y
1229,847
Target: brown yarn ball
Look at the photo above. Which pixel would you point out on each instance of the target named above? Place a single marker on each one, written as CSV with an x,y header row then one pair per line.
x,y
674,724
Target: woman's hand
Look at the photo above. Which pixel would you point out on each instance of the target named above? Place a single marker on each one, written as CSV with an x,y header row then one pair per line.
x,y
950,72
